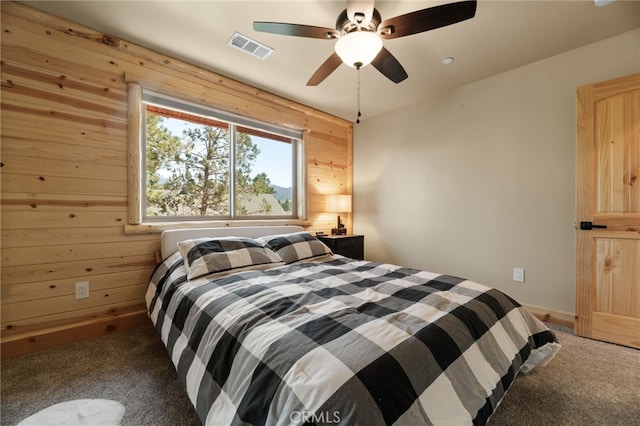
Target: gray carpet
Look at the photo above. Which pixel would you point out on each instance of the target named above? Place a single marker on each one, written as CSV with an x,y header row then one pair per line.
x,y
587,383
131,367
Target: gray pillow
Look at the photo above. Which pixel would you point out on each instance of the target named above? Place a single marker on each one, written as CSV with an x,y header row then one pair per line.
x,y
203,256
297,246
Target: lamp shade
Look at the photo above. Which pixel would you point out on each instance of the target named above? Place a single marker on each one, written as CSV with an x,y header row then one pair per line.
x,y
358,47
339,203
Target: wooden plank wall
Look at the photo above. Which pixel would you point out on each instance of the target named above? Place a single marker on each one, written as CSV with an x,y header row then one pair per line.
x,y
64,173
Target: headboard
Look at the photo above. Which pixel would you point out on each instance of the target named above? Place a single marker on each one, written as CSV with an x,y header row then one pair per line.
x,y
169,239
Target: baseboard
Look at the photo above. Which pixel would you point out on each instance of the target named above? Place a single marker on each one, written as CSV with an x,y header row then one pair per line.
x,y
554,317
36,341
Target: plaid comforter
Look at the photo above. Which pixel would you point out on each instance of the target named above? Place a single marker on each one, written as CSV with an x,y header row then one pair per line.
x,y
340,342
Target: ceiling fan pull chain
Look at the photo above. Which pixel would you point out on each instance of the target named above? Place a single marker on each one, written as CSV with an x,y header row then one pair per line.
x,y
358,96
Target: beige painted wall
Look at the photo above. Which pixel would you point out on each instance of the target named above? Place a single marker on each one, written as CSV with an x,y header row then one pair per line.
x,y
481,179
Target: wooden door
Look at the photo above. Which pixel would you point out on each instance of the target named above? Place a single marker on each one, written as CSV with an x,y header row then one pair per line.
x,y
608,194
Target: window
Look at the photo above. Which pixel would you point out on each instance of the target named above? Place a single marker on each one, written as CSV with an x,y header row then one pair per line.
x,y
200,163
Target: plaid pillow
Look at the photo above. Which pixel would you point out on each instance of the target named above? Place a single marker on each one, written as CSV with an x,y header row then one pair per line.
x,y
205,256
296,246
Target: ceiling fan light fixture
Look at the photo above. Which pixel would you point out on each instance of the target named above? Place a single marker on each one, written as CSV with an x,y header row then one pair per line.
x,y
358,47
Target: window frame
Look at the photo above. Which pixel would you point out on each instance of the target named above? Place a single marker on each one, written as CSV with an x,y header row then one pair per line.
x,y
137,173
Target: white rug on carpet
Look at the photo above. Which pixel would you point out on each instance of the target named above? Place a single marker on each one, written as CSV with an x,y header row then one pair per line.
x,y
80,412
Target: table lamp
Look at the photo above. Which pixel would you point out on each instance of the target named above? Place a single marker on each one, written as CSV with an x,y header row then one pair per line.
x,y
339,204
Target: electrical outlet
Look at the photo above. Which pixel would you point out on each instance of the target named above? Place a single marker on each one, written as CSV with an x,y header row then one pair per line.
x,y
82,290
518,275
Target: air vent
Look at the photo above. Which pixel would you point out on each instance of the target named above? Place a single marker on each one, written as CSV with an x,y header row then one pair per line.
x,y
249,46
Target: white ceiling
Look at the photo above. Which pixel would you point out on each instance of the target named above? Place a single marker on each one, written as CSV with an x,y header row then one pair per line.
x,y
502,36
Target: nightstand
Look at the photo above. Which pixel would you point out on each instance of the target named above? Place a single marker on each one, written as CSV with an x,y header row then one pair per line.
x,y
347,245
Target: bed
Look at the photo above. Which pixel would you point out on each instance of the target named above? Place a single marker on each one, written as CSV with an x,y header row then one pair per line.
x,y
265,326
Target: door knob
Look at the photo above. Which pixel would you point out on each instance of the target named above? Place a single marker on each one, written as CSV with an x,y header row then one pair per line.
x,y
588,226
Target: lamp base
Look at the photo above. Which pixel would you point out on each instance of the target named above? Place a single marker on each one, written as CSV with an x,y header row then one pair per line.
x,y
339,231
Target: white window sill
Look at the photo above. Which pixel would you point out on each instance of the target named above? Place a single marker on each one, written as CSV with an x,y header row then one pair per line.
x,y
158,227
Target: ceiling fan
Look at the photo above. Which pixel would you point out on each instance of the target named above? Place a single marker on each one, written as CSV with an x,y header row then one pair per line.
x,y
360,30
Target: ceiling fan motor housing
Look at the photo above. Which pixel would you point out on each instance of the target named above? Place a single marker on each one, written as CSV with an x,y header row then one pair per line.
x,y
345,25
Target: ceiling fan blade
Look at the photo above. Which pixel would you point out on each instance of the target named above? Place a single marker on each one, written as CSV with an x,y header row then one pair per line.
x,y
388,65
427,19
325,69
364,9
296,30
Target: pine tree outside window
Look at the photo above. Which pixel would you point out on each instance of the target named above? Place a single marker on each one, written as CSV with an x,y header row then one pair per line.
x,y
200,163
